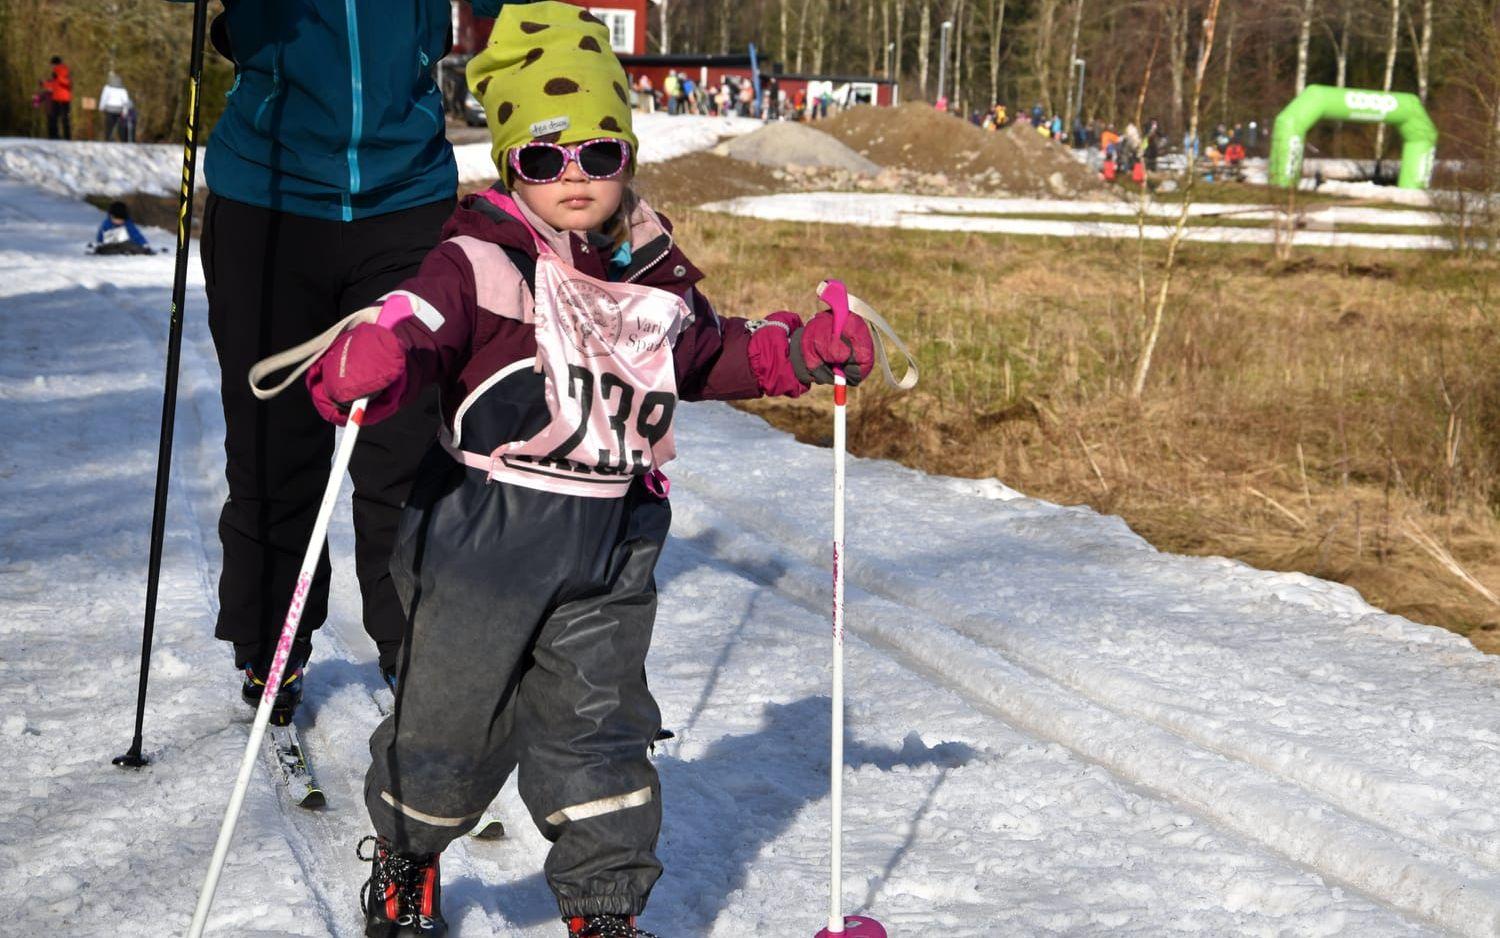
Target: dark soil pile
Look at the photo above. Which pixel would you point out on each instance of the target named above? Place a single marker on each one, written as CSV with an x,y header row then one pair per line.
x,y
702,177
917,138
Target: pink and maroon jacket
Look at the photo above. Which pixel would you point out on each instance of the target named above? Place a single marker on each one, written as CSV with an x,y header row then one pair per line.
x,y
462,321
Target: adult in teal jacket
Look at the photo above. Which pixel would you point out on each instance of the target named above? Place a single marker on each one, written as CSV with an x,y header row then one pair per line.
x,y
330,178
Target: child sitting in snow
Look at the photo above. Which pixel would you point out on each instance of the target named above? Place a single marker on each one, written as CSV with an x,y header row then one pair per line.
x,y
563,324
118,234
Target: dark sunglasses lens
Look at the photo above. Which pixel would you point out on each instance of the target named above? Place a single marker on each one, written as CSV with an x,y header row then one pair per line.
x,y
540,163
602,158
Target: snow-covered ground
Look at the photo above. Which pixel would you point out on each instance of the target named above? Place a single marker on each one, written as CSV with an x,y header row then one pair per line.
x,y
1053,729
89,168
1006,216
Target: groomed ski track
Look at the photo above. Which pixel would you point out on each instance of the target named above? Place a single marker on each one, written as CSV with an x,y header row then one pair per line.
x,y
1053,728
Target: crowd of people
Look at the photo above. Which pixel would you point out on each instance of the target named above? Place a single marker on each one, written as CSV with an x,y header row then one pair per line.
x,y
54,98
1134,152
731,95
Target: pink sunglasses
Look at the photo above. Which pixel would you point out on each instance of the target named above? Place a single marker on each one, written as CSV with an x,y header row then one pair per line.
x,y
600,158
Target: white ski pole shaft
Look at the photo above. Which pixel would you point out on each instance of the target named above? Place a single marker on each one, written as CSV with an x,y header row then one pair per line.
x,y
836,761
278,665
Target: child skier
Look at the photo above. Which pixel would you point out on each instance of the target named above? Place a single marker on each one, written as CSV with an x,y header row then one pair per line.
x,y
563,324
117,234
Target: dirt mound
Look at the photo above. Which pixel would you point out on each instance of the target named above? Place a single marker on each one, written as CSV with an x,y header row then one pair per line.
x,y
702,177
783,145
916,138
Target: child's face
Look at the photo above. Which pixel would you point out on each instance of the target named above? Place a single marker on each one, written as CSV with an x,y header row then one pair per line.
x,y
575,202
116,220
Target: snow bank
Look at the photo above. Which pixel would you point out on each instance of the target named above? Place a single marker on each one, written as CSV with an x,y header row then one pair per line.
x,y
79,168
956,213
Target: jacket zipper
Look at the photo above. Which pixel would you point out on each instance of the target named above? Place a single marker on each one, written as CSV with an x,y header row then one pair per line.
x,y
671,241
356,83
275,89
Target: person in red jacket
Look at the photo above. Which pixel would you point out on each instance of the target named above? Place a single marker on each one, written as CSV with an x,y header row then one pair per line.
x,y
60,107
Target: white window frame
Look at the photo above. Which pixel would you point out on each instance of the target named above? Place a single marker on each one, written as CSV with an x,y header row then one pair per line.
x,y
621,21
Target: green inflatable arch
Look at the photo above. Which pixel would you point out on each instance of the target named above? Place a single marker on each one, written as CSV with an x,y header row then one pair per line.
x,y
1323,102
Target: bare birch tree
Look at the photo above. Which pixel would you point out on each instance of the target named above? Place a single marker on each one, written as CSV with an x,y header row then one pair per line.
x,y
1390,70
1178,17
1148,347
1421,41
1041,50
900,39
786,56
1304,39
925,37
997,32
1072,57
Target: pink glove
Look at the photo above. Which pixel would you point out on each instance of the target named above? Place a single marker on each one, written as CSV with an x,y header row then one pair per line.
x,y
770,355
366,361
816,350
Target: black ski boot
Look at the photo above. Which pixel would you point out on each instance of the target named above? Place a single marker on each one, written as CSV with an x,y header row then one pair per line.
x,y
604,926
287,698
403,896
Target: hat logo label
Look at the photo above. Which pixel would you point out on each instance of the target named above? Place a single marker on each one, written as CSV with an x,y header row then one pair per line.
x,y
551,126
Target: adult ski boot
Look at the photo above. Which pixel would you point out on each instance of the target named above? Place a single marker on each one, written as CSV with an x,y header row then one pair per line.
x,y
287,698
604,926
403,896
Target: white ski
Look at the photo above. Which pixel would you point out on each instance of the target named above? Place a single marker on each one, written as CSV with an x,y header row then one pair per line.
x,y
291,769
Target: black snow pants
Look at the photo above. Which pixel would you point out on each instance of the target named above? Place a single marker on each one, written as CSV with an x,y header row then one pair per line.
x,y
275,280
529,617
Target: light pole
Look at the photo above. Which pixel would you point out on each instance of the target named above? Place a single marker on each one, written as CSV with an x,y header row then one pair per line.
x,y
1077,109
943,57
890,50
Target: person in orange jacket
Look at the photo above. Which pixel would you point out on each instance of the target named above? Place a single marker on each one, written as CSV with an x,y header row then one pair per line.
x,y
60,107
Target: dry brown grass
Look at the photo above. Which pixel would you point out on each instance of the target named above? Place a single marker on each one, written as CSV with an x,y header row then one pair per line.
x,y
1300,416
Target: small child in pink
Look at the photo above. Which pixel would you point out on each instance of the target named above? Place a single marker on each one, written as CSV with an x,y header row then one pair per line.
x,y
563,324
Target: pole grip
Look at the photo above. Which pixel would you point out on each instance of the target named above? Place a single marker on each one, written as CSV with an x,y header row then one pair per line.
x,y
836,295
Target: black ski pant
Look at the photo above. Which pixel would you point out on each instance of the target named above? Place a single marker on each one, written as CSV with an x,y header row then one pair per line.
x,y
275,280
114,122
529,614
60,120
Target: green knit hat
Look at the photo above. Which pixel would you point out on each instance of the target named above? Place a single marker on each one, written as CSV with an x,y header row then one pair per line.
x,y
548,73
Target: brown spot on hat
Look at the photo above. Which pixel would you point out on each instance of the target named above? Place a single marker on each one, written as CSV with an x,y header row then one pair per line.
x,y
609,123
624,98
588,17
504,111
589,43
560,86
530,27
483,84
532,56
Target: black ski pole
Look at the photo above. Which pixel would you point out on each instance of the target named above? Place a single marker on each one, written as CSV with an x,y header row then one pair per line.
x,y
133,757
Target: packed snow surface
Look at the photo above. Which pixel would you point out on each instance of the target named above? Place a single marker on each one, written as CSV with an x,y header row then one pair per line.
x,y
1006,216
1053,729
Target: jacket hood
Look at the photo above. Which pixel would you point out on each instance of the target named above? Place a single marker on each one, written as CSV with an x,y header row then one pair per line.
x,y
658,260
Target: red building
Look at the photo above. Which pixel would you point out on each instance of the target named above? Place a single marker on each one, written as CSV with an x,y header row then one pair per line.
x,y
626,20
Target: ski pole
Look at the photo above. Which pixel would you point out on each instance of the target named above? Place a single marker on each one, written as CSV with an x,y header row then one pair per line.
x,y
833,293
133,758
278,665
